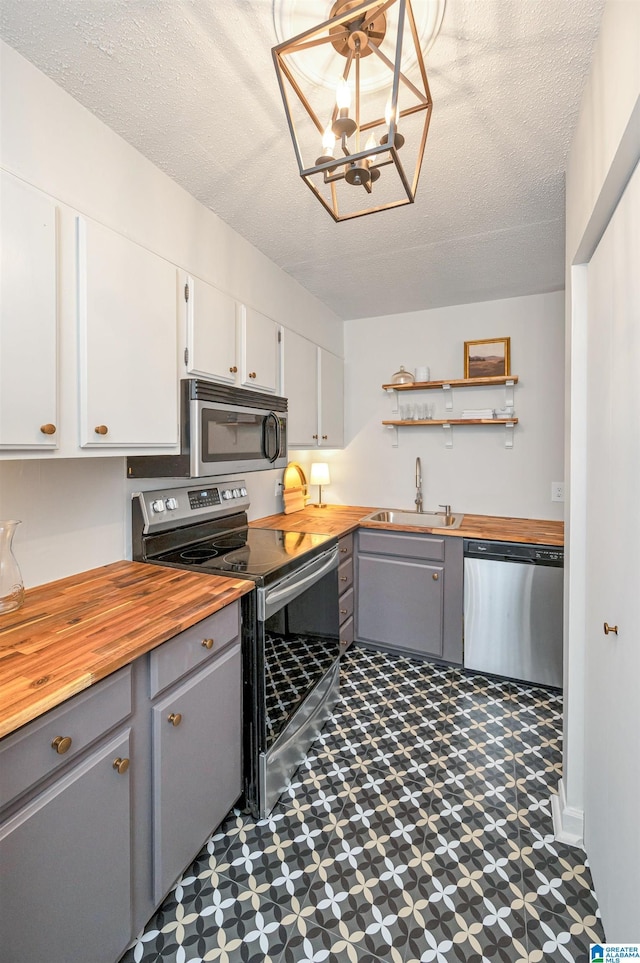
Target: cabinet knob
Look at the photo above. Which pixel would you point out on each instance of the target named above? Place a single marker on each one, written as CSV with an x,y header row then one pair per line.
x,y
121,765
315,437
344,642
344,550
175,718
610,628
324,437
101,430
252,374
233,369
48,429
343,611
435,576
207,643
61,744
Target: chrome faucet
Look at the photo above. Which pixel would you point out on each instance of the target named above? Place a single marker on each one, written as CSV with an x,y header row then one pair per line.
x,y
418,501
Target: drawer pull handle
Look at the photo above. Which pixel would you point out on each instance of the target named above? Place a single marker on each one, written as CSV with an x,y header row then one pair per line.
x,y
344,550
61,744
435,576
343,611
610,628
233,368
175,718
48,429
343,642
207,643
121,765
101,430
344,578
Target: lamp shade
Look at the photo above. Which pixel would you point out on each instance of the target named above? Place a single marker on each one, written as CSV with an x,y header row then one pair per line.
x,y
320,473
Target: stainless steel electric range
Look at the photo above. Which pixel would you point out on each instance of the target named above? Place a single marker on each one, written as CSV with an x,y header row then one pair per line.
x,y
290,623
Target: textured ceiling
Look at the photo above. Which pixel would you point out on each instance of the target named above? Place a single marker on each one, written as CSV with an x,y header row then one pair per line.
x,y
192,86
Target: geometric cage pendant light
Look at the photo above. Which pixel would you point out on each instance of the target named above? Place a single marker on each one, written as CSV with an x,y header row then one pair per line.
x,y
358,105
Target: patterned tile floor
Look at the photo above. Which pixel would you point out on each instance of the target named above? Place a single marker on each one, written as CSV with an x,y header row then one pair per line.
x,y
418,829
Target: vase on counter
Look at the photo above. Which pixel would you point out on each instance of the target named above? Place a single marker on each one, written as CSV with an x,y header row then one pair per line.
x,y
11,584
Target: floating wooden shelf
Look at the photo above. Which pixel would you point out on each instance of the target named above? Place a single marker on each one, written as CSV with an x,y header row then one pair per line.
x,y
456,421
453,383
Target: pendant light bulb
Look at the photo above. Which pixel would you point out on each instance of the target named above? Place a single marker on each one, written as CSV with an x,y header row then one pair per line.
x,y
371,143
343,95
328,141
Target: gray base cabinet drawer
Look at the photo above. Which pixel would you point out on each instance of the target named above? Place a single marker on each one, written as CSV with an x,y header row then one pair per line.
x,y
51,742
345,546
193,647
346,606
347,634
345,574
196,764
404,544
65,885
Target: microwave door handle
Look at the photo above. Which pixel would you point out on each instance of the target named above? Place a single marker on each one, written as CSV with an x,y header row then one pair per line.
x,y
270,455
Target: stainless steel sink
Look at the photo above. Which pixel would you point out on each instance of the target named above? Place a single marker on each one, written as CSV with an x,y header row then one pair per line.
x,y
420,519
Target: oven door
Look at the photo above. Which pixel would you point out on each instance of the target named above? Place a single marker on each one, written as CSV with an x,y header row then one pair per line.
x,y
297,661
233,438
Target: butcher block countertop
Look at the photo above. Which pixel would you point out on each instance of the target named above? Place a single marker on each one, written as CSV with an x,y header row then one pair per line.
x,y
75,631
342,519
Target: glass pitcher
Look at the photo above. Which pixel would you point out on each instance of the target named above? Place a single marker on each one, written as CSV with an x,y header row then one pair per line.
x,y
11,584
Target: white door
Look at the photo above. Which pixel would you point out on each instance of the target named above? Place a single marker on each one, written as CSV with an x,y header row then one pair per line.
x,y
259,350
331,400
211,332
301,390
28,317
612,732
128,342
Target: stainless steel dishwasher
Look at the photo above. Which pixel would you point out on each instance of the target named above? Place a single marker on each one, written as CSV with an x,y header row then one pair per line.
x,y
513,610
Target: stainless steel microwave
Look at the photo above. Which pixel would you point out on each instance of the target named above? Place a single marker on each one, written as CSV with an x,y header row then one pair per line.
x,y
223,430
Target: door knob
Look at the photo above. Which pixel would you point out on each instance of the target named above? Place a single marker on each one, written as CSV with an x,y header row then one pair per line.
x,y
233,369
48,429
175,718
121,765
435,576
610,628
101,430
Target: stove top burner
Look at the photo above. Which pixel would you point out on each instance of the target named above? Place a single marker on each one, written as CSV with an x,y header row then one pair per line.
x,y
198,554
242,560
231,540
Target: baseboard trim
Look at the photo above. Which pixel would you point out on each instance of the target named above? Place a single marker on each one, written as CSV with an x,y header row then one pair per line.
x,y
568,823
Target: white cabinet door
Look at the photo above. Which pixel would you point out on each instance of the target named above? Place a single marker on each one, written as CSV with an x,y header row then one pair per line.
x,y
612,760
259,350
211,332
127,341
331,426
28,317
300,376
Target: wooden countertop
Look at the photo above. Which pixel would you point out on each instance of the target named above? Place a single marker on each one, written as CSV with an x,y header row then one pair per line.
x,y
77,630
342,519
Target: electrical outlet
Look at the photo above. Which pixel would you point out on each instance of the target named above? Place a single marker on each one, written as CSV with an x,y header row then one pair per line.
x,y
557,491
279,487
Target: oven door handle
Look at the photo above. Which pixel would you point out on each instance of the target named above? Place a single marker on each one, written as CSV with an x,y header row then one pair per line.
x,y
269,601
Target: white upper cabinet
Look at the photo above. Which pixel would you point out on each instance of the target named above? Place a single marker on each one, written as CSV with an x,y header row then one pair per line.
x,y
313,383
331,420
28,318
211,332
259,350
127,342
300,376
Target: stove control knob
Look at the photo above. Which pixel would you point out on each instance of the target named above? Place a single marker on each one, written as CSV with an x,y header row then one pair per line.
x,y
243,492
236,493
172,504
226,493
157,505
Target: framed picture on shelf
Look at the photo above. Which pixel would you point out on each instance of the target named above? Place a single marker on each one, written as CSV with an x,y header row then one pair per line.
x,y
490,358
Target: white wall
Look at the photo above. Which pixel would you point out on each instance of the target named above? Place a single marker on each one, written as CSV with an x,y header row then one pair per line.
x,y
75,513
604,151
478,475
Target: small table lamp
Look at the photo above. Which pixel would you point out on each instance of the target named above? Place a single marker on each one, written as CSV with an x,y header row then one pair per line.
x,y
320,476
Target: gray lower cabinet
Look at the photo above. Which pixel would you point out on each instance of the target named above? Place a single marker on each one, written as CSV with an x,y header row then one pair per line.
x,y
196,767
65,843
346,590
105,799
409,593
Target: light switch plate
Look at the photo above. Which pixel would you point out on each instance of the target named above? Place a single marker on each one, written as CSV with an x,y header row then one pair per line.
x,y
557,491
